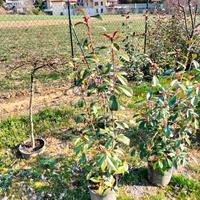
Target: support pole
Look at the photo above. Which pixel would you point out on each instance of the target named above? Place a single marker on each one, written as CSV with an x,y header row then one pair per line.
x,y
146,26
70,29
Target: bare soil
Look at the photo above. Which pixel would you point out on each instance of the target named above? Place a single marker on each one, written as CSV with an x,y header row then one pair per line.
x,y
145,190
53,22
17,103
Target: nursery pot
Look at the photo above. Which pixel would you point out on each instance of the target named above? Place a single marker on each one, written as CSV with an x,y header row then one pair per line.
x,y
110,195
198,136
27,151
156,177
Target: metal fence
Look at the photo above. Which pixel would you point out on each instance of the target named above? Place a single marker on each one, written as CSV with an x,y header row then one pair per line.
x,y
23,35
28,36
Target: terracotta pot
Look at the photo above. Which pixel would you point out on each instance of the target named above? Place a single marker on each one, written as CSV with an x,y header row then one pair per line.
x,y
156,177
33,152
111,195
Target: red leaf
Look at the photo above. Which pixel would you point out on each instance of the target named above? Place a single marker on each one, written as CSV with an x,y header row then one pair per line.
x,y
114,34
86,18
108,36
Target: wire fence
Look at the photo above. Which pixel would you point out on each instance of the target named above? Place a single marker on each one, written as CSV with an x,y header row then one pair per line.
x,y
29,36
23,36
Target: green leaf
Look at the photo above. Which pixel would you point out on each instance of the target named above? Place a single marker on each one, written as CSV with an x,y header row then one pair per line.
x,y
97,17
122,79
173,83
83,158
194,101
102,162
80,118
169,162
94,108
103,165
172,101
182,87
113,103
116,46
105,69
122,138
155,81
196,123
126,90
149,96
80,103
95,180
160,164
142,125
168,72
196,64
124,56
168,132
110,164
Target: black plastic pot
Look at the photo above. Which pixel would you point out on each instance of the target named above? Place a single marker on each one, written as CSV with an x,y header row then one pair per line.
x,y
111,195
34,152
198,136
156,177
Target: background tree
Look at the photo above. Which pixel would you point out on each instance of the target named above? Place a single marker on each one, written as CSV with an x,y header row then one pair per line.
x,y
39,4
1,3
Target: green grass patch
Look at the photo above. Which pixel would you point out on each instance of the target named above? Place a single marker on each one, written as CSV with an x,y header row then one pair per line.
x,y
48,178
15,130
50,41
184,188
158,196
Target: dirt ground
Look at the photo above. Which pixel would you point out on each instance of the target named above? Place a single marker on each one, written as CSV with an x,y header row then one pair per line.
x,y
53,22
138,192
17,103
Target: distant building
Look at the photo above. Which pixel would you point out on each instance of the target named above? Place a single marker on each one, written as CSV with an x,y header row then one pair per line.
x,y
92,7
135,7
57,7
20,5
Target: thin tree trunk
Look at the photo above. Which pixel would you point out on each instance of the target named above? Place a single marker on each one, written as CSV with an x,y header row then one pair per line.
x,y
31,109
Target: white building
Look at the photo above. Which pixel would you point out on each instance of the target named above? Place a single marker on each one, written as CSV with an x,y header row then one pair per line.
x,y
22,5
91,7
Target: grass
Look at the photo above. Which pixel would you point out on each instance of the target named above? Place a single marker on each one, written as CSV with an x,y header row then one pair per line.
x,y
48,41
184,188
11,18
48,121
48,177
20,81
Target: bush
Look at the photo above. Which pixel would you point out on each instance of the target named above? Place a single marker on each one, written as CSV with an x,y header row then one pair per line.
x,y
173,41
36,11
137,64
1,3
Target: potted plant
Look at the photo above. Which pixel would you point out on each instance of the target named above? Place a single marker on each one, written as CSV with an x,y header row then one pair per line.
x,y
167,121
34,145
101,140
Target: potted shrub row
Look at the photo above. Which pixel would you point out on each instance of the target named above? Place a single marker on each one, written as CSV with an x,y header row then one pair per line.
x,y
168,121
